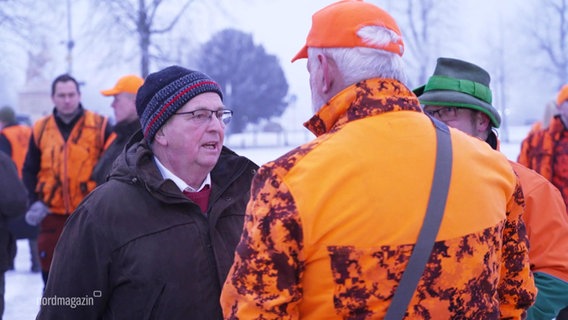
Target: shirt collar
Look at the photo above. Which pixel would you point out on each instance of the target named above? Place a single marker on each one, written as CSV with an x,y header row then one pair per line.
x,y
167,174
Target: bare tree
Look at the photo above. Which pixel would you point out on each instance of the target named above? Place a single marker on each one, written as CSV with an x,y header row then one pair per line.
x,y
143,18
419,35
424,24
500,80
12,17
549,37
22,33
18,26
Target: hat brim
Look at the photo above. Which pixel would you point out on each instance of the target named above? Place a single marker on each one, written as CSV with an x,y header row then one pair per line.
x,y
302,54
457,99
109,92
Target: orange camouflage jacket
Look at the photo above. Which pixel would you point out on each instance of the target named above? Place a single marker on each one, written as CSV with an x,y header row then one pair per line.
x,y
546,152
330,225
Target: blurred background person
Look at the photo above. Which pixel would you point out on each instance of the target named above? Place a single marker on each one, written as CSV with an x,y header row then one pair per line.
x,y
63,150
14,141
549,112
14,137
126,122
546,150
13,203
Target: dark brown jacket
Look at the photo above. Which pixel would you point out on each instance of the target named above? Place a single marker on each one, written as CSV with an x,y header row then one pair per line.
x,y
142,250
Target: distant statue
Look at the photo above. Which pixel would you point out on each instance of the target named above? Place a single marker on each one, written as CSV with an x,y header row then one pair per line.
x,y
36,64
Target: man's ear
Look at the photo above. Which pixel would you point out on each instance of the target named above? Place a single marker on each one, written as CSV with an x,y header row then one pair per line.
x,y
326,73
482,122
160,136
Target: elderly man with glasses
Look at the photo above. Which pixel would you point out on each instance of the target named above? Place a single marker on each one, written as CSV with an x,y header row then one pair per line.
x,y
156,241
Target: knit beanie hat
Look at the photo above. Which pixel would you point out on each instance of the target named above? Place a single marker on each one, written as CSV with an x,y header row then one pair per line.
x,y
166,91
7,115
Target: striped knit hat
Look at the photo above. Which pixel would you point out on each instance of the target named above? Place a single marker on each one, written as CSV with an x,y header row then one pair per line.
x,y
166,91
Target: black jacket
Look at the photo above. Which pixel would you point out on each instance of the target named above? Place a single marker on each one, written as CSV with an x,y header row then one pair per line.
x,y
123,131
13,203
142,250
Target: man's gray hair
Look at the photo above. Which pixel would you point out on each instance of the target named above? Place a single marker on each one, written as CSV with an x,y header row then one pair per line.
x,y
357,64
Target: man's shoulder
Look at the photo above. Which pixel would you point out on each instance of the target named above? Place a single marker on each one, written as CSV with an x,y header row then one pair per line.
x,y
229,160
478,156
463,141
284,163
90,114
110,200
529,178
93,113
42,120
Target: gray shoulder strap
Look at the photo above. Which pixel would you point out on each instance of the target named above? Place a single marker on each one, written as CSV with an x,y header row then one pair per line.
x,y
431,225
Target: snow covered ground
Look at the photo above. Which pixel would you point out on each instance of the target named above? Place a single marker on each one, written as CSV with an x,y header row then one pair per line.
x,y
23,288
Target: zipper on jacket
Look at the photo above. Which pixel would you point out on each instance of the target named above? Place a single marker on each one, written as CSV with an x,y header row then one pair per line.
x,y
65,184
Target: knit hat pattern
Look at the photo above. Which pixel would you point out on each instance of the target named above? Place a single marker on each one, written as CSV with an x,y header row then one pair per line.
x,y
165,92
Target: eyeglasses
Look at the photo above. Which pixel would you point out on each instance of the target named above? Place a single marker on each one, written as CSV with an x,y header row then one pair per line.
x,y
203,116
445,113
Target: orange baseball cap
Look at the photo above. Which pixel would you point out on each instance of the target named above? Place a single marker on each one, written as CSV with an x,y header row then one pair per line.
x,y
129,84
336,26
562,95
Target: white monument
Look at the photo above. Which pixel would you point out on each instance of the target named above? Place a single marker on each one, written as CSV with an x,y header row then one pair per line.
x,y
34,99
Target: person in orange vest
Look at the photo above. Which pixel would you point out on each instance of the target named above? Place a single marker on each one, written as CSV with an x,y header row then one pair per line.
x,y
126,122
14,137
13,203
63,150
14,140
545,216
550,110
332,225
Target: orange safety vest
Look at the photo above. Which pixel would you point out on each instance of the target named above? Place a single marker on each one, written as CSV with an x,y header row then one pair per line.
x,y
19,138
110,140
64,178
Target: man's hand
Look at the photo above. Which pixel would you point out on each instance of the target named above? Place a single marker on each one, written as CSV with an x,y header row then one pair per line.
x,y
36,213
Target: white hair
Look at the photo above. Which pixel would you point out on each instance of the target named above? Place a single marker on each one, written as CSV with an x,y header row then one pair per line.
x,y
360,63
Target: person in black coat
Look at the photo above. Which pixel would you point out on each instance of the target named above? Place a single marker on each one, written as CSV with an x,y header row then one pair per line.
x,y
127,123
13,203
157,240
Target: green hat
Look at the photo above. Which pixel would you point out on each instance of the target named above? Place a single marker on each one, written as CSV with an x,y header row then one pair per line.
x,y
7,115
456,83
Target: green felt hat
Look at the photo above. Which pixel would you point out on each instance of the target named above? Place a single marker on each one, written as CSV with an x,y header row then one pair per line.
x,y
456,83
